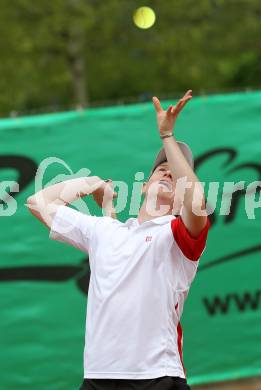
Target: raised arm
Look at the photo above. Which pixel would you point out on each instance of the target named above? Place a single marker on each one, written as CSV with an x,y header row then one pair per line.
x,y
44,204
194,196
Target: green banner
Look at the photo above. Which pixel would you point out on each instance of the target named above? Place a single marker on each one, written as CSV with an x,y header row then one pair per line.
x,y
44,284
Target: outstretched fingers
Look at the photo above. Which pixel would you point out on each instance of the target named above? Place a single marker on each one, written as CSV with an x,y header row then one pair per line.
x,y
156,104
182,102
188,93
169,110
172,109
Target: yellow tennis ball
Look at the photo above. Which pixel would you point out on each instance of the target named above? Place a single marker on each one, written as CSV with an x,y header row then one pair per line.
x,y
144,17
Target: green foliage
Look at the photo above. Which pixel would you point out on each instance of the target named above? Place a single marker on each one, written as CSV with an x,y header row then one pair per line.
x,y
60,53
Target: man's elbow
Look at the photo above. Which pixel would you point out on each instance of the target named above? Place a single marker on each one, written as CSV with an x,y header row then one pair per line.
x,y
30,200
38,211
36,204
31,204
37,199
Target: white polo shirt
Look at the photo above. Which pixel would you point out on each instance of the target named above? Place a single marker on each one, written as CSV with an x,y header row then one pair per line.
x,y
140,278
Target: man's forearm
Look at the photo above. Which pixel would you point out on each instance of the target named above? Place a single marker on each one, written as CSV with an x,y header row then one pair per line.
x,y
193,212
180,168
44,204
66,191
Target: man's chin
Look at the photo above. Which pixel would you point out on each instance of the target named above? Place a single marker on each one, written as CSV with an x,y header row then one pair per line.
x,y
165,186
165,192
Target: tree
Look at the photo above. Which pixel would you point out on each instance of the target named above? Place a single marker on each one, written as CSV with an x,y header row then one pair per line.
x,y
67,53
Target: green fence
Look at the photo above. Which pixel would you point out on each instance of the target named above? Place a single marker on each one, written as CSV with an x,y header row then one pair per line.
x,y
44,283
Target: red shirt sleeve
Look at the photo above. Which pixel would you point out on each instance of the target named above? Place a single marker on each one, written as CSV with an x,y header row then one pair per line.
x,y
191,247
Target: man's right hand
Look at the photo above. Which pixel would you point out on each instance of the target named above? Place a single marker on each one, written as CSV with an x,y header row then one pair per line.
x,y
104,194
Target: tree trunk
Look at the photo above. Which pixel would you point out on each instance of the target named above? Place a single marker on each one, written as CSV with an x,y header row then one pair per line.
x,y
75,49
78,67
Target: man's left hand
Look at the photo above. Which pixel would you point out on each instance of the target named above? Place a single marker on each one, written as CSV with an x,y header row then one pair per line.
x,y
166,119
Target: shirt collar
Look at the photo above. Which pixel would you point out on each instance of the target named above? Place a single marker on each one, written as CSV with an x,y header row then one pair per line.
x,y
158,220
162,220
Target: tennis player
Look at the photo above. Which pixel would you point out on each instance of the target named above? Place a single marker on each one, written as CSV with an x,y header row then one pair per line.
x,y
141,270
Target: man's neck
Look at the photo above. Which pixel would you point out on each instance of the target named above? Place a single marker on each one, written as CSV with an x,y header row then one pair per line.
x,y
147,212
